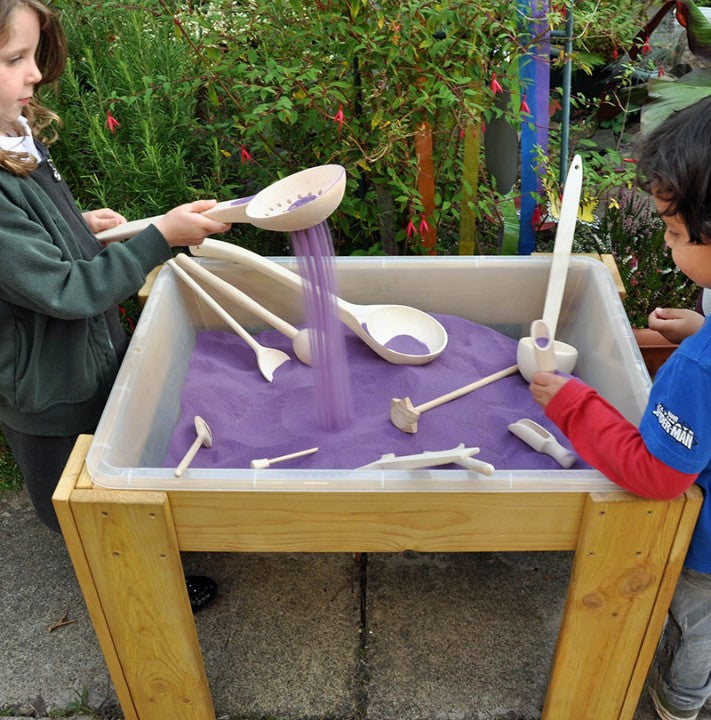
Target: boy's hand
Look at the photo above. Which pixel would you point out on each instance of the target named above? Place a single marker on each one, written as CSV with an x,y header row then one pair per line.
x,y
675,324
185,224
103,219
544,386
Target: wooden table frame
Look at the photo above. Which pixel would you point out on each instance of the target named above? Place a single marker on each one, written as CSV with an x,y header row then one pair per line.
x,y
125,546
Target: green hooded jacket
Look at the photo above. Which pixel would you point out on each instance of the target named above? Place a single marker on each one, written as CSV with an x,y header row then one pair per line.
x,y
57,358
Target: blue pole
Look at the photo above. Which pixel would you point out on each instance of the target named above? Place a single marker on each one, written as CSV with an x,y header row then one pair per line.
x,y
534,75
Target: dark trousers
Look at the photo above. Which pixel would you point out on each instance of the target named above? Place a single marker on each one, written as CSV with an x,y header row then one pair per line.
x,y
41,461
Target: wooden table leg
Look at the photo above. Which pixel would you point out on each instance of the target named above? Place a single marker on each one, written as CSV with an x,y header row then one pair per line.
x,y
629,555
124,549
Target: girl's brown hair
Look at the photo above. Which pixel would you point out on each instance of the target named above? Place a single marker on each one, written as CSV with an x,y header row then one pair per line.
x,y
51,58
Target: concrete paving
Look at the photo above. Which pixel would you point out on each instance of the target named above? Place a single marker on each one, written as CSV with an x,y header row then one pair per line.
x,y
410,636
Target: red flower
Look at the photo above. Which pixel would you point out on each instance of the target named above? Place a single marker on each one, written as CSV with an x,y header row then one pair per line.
x,y
410,229
660,71
524,105
244,156
560,8
127,317
339,118
536,217
615,54
424,227
495,85
646,48
111,122
680,16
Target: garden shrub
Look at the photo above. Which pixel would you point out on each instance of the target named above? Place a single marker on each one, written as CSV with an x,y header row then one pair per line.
x,y
220,98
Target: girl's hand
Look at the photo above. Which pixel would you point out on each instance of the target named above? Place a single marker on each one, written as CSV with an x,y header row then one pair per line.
x,y
103,219
185,224
675,324
544,386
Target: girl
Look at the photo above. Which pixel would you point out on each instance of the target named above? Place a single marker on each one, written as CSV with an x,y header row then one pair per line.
x,y
672,447
60,339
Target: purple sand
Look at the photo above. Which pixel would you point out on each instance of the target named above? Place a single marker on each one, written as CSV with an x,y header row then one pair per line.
x,y
242,201
314,250
407,344
301,201
251,418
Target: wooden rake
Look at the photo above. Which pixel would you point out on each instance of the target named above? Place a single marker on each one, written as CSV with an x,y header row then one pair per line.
x,y
404,415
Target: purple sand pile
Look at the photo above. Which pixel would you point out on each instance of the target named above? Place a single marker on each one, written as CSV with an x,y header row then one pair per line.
x,y
251,418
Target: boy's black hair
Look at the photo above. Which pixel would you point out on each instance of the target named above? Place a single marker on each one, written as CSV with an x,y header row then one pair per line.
x,y
674,162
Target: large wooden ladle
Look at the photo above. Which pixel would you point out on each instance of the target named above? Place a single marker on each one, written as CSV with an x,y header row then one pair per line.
x,y
375,325
299,338
565,355
296,202
405,416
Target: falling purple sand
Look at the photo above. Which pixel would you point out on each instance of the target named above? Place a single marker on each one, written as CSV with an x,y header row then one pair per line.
x,y
251,418
314,250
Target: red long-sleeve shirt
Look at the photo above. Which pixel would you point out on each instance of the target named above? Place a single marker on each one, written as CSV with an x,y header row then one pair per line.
x,y
605,439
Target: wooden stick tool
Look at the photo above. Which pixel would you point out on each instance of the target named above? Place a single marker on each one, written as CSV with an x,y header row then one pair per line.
x,y
404,415
459,455
261,463
204,437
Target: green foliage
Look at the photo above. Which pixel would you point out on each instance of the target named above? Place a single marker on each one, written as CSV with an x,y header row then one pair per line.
x,y
196,85
633,233
80,706
10,478
218,98
666,97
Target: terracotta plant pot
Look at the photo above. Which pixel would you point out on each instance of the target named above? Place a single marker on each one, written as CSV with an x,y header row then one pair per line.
x,y
655,348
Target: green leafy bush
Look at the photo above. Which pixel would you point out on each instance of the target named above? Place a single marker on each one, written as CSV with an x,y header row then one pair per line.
x,y
633,233
220,98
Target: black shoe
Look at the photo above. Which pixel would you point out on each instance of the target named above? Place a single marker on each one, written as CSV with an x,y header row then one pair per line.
x,y
201,590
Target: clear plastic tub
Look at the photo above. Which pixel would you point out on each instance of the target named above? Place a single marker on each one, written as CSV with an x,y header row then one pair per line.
x,y
505,293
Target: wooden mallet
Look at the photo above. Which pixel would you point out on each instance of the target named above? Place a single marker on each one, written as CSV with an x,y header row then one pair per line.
x,y
404,415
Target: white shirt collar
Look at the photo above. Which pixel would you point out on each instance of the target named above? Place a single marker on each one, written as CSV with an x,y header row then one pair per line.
x,y
22,143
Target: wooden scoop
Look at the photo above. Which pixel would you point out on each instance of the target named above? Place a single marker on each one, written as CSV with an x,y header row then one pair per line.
x,y
542,441
296,202
227,211
404,415
565,355
268,359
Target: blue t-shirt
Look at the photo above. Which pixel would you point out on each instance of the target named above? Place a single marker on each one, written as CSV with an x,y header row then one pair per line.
x,y
676,428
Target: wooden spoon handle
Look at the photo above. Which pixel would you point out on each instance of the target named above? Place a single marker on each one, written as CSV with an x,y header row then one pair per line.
x,y
235,294
467,388
563,244
188,457
205,297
